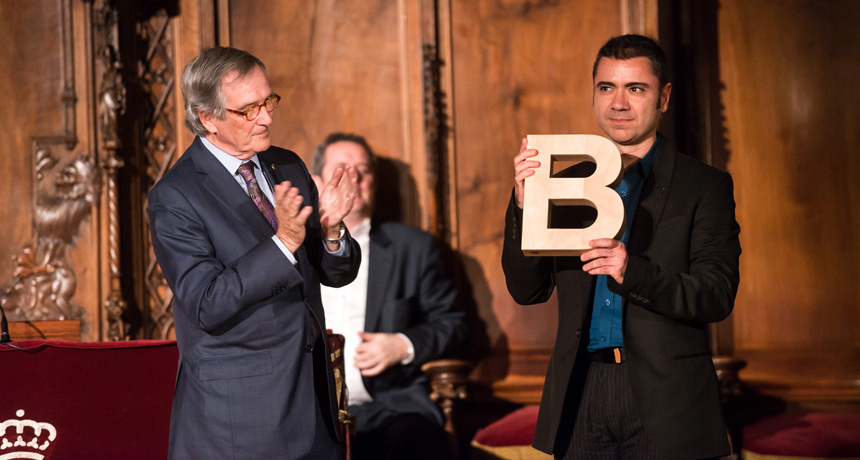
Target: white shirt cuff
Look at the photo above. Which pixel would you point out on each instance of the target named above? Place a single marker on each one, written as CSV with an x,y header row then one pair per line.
x,y
410,350
284,249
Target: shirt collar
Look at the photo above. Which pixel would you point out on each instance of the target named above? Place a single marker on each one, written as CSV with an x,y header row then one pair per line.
x,y
647,162
361,229
229,161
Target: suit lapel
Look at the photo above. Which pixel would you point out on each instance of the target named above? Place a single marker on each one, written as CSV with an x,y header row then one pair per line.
x,y
272,174
279,168
379,270
653,200
218,182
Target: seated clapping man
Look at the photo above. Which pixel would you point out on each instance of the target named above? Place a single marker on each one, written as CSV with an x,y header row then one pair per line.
x,y
398,314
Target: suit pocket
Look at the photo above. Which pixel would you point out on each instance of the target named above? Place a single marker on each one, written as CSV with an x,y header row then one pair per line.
x,y
235,367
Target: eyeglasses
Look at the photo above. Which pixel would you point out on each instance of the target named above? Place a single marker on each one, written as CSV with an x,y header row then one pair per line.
x,y
252,112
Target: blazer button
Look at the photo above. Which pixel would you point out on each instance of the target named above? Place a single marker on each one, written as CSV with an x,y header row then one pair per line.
x,y
579,332
309,348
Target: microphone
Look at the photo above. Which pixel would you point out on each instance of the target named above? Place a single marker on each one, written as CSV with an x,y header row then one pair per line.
x,y
4,327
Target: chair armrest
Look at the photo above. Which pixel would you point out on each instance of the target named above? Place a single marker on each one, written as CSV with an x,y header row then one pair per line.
x,y
448,378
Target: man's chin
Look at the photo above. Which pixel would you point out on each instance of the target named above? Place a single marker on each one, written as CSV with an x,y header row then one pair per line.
x,y
619,138
623,137
262,145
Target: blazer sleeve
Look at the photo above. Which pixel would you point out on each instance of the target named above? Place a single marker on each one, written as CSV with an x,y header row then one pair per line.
x,y
332,270
530,280
705,289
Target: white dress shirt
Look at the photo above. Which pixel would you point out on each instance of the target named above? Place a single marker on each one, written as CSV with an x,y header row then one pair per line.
x,y
345,309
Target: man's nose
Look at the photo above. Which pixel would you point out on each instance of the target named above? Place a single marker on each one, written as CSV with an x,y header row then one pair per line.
x,y
619,101
264,118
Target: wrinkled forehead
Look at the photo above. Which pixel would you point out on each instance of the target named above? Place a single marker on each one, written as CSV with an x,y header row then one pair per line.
x,y
346,152
244,89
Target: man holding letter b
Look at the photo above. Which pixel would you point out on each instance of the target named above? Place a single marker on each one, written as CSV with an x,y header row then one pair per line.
x,y
631,374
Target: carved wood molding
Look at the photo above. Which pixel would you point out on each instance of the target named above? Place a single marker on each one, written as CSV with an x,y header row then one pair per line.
x,y
437,78
111,104
69,97
157,77
63,194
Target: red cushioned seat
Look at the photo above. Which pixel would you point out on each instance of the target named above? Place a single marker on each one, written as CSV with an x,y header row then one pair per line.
x,y
793,436
510,437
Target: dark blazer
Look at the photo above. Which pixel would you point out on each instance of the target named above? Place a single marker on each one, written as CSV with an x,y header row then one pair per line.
x,y
682,273
246,383
408,291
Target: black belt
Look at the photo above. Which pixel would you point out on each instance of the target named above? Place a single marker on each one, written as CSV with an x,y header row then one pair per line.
x,y
609,355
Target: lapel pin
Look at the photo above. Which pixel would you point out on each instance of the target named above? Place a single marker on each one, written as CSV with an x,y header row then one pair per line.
x,y
273,166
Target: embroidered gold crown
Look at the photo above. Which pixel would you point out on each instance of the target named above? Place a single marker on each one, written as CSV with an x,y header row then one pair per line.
x,y
25,437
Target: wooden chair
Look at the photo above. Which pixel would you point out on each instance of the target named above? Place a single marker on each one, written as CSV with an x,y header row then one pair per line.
x,y
347,421
448,379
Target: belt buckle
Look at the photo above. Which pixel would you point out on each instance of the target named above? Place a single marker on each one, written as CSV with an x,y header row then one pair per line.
x,y
617,353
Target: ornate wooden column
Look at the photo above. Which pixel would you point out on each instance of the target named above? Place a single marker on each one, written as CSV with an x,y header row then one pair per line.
x,y
166,34
157,76
111,104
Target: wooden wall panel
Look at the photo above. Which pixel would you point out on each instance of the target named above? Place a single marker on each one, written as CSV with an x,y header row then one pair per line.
x,y
343,66
791,118
520,67
46,106
31,86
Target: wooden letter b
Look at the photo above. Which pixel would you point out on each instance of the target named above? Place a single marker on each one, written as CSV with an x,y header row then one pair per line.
x,y
547,195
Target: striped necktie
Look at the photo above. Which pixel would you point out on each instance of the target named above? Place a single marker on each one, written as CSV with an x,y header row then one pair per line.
x,y
246,170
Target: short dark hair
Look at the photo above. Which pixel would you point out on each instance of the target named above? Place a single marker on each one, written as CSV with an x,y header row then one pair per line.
x,y
318,159
632,46
201,82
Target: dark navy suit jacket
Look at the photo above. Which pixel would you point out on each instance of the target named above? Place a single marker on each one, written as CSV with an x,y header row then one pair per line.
x,y
247,379
408,291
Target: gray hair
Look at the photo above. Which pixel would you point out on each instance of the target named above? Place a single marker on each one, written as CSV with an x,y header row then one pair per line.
x,y
318,159
201,82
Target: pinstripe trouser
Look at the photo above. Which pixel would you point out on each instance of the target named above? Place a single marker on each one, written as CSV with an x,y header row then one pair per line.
x,y
607,426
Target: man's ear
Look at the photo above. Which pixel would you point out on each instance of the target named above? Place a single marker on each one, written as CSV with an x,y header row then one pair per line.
x,y
664,97
318,180
208,121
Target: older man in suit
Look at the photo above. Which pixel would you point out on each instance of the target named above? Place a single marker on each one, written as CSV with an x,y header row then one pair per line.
x,y
398,314
631,375
244,241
